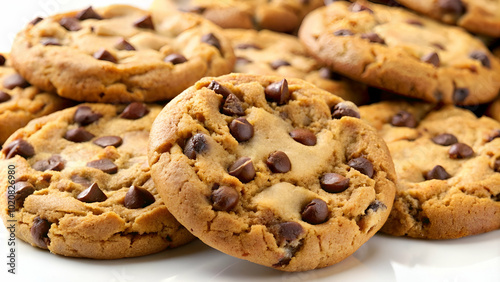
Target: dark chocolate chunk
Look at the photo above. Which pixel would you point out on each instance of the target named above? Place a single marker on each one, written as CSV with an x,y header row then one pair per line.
x,y
375,206
195,145
345,109
175,59
92,194
315,212
362,165
88,13
135,110
4,97
289,231
357,7
247,46
55,163
304,136
15,80
39,231
279,63
438,172
85,116
460,151
137,198
219,89
460,94
123,44
278,162
18,147
225,198
373,37
106,141
50,41
278,92
431,58
145,22
454,7
343,32
211,40
242,169
70,24
36,20
106,165
22,190
78,135
233,106
241,129
404,119
104,55
445,139
2,60
482,57
334,182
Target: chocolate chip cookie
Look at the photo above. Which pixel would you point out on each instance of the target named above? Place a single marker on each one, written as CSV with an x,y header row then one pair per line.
x,y
448,166
270,53
275,171
20,102
82,187
393,49
477,16
120,54
494,109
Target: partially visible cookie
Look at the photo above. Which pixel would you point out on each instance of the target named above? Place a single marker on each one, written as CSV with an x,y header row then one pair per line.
x,y
275,171
477,16
396,50
81,184
494,109
20,102
120,53
270,53
448,166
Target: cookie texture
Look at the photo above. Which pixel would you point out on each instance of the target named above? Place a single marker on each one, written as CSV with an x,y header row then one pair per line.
x,y
448,166
120,54
270,53
21,102
477,16
255,166
80,185
396,50
494,109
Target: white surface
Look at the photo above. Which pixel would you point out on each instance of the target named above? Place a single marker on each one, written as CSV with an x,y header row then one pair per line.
x,y
383,258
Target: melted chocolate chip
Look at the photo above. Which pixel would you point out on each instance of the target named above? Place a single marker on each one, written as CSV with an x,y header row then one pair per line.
x,y
218,88
123,44
92,194
55,163
289,231
4,97
88,13
278,92
85,116
50,41
211,40
247,46
2,60
304,136
78,135
106,141
135,110
175,59
482,57
404,119
22,190
454,7
373,37
104,55
375,206
241,129
233,106
438,172
334,182
70,24
39,231
278,162
460,94
357,7
145,22
15,80
343,32
362,165
225,198
460,151
279,63
445,139
137,198
431,58
36,20
195,145
106,165
315,212
242,169
18,147
345,109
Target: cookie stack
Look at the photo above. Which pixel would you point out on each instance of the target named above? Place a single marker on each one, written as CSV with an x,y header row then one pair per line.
x,y
149,142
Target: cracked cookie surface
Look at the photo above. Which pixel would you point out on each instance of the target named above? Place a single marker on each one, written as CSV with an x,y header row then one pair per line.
x,y
396,50
275,171
120,53
448,166
83,186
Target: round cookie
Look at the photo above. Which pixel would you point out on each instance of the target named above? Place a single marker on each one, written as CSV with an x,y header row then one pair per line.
x,y
477,16
21,102
120,54
276,15
256,167
80,184
448,166
270,53
393,49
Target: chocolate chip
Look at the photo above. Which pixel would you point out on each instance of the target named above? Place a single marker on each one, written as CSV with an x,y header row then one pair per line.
x,y
70,24
460,151
278,92
175,59
404,119
39,231
334,182
104,55
445,139
135,110
4,97
88,13
55,163
460,94
375,206
315,212
431,58
362,165
289,231
241,129
373,37
345,109
438,172
15,80
92,194
357,7
2,60
195,145
211,40
106,165
225,198
454,7
22,190
145,22
304,136
482,57
233,106
137,198
78,135
414,22
327,73
123,44
85,116
50,41
496,165
494,135
218,88
18,147
279,63
242,169
278,162
247,46
106,141
343,32
36,20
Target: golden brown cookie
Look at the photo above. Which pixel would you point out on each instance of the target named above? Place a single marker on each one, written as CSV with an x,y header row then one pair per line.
x,y
494,109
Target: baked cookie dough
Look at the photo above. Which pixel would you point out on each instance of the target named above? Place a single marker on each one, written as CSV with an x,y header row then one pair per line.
x,y
271,170
494,109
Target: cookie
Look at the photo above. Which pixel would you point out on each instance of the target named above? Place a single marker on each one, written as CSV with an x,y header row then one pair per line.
x,y
21,102
260,168
477,16
396,50
276,15
120,54
81,184
494,109
448,166
270,53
